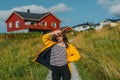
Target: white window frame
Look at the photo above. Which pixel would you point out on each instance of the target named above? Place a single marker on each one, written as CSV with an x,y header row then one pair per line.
x,y
17,24
53,24
45,23
10,25
27,23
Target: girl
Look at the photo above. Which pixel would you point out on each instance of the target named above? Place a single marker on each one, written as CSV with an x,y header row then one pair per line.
x,y
57,55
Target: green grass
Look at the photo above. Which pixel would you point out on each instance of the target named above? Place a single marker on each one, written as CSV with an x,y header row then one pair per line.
x,y
21,35
100,54
16,59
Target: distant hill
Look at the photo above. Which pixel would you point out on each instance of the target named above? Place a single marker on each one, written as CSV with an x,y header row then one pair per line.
x,y
100,53
99,50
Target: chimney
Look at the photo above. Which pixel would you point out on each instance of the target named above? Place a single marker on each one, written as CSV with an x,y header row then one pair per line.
x,y
28,11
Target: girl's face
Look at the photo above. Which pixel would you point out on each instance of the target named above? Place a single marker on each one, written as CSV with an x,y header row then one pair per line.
x,y
59,38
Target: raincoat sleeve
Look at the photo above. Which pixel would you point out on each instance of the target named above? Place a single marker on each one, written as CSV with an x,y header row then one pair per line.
x,y
74,55
47,39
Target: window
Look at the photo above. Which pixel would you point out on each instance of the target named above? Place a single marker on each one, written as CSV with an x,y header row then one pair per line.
x,y
44,23
10,25
33,23
17,24
84,26
53,24
27,23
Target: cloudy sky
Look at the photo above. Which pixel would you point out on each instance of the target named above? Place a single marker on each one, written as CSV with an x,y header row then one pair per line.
x,y
70,12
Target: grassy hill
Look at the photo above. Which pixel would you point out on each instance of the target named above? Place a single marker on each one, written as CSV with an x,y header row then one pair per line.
x,y
16,59
100,54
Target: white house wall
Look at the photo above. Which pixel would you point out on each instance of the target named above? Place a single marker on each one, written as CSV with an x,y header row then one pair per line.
x,y
20,31
104,23
80,28
98,28
113,24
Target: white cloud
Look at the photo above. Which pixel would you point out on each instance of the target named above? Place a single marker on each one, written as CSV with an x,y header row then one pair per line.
x,y
2,24
115,9
59,8
103,1
3,17
108,2
33,9
41,9
4,14
113,6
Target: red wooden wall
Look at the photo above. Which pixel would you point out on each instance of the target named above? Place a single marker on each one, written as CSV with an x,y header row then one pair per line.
x,y
13,18
49,19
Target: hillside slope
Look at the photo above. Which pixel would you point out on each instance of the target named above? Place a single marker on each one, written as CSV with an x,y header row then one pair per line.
x,y
16,59
100,54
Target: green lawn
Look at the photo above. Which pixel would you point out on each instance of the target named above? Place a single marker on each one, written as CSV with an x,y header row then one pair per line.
x,y
100,54
16,59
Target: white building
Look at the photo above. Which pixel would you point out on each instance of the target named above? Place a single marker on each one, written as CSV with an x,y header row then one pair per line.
x,y
83,27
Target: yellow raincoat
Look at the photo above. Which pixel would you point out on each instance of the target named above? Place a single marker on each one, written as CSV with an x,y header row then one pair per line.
x,y
72,53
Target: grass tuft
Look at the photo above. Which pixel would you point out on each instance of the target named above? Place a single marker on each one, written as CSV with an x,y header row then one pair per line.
x,y
100,54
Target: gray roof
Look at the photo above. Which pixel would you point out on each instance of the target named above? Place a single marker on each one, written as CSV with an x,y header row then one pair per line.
x,y
113,20
85,24
30,16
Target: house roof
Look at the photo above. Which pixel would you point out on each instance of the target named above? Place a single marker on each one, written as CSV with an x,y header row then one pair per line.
x,y
97,24
31,16
85,24
113,20
66,27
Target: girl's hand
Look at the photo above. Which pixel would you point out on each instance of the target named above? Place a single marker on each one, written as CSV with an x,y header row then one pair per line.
x,y
56,32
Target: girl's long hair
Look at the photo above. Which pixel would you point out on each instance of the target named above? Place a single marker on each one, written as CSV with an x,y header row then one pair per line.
x,y
65,39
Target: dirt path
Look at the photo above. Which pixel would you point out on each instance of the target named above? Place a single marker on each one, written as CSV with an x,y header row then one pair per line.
x,y
75,75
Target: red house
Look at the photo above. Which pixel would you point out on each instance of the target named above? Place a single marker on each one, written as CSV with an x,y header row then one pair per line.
x,y
67,28
32,22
